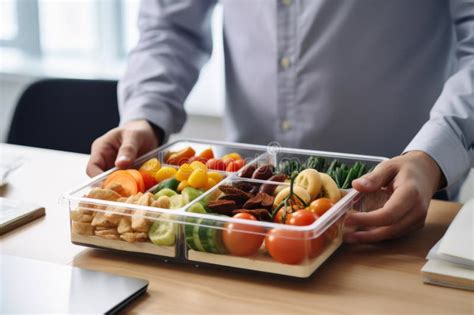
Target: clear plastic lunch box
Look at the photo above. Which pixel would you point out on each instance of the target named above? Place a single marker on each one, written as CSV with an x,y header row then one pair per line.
x,y
194,237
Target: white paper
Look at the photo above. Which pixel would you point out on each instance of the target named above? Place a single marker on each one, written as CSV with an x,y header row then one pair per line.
x,y
458,241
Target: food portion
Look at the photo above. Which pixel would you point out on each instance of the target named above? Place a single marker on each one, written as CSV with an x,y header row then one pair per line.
x,y
231,162
220,204
153,185
263,192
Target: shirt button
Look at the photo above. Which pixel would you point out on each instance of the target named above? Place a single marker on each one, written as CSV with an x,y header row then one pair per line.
x,y
285,125
286,2
285,63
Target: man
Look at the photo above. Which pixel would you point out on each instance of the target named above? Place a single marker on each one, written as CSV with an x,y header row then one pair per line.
x,y
351,76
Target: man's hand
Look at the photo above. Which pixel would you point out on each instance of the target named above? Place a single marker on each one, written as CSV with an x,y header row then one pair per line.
x,y
120,146
412,179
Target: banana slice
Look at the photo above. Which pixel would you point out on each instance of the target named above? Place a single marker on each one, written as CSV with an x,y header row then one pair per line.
x,y
310,180
329,188
298,190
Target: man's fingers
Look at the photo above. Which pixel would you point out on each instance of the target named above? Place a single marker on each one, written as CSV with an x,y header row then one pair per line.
x,y
103,153
412,220
381,176
394,209
128,149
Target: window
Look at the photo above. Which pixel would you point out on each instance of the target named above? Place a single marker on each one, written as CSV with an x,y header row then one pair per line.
x,y
68,28
8,21
90,39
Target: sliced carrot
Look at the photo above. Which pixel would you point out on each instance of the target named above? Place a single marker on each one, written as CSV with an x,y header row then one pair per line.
x,y
149,180
177,158
139,179
123,178
207,154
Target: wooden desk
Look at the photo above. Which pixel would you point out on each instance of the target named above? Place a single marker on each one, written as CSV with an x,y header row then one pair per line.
x,y
383,278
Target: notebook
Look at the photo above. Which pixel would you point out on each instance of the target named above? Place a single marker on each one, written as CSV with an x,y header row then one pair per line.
x,y
451,260
32,286
14,213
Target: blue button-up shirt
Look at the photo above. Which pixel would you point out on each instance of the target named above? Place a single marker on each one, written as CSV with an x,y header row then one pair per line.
x,y
356,76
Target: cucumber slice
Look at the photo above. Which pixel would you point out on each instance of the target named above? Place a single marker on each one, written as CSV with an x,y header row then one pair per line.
x,y
188,228
162,233
165,192
176,202
206,237
189,194
196,240
188,232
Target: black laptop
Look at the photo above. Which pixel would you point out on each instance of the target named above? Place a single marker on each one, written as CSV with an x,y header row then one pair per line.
x,y
31,286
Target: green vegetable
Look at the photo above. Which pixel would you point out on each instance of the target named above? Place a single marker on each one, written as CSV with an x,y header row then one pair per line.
x,y
317,163
176,202
170,183
205,238
165,192
162,232
197,208
189,194
289,167
332,167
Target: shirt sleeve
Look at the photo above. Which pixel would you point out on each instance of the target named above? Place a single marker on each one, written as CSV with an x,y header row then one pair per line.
x,y
175,41
448,136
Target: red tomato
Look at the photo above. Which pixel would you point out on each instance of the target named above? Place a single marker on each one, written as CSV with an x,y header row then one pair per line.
x,y
149,180
306,217
331,233
301,218
234,165
240,163
321,205
280,214
287,247
215,164
242,239
228,161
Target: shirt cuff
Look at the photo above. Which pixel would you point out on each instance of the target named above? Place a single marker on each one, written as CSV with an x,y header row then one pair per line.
x,y
444,148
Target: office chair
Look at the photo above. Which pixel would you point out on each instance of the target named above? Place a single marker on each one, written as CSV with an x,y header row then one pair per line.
x,y
64,114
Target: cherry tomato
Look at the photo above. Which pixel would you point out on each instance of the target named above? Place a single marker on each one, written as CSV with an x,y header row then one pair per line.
x,y
287,247
234,165
320,206
306,217
279,214
242,239
215,164
331,233
301,218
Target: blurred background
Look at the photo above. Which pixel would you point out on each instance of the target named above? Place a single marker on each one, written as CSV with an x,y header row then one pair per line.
x,y
90,39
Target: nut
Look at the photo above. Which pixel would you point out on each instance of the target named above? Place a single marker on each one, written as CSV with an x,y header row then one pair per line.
x,y
222,206
248,171
263,172
270,188
239,199
245,186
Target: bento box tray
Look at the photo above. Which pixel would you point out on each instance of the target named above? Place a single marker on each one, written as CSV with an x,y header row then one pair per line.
x,y
180,252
